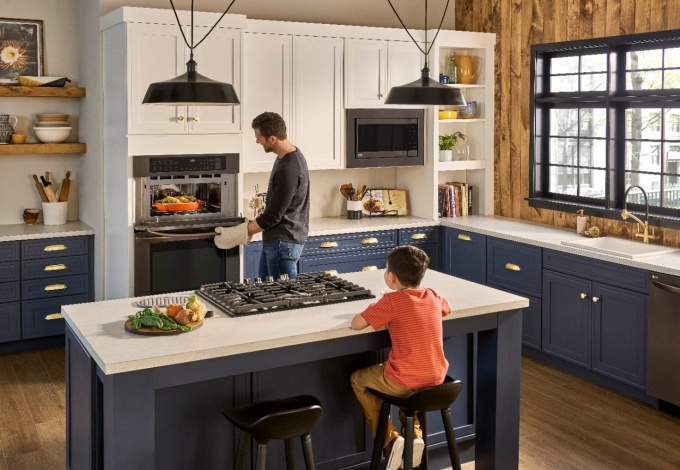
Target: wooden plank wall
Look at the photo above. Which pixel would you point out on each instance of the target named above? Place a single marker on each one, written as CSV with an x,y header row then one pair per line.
x,y
520,23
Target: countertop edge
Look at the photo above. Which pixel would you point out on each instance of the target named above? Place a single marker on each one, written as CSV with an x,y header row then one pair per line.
x,y
19,232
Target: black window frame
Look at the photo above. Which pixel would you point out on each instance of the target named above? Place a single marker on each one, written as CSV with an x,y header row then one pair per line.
x,y
615,99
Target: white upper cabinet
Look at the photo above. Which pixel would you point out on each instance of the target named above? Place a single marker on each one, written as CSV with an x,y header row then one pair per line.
x,y
317,100
300,78
158,53
266,87
374,66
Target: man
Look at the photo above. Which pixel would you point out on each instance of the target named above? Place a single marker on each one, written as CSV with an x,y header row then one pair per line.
x,y
285,220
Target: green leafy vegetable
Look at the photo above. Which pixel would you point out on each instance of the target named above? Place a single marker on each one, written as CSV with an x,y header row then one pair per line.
x,y
148,317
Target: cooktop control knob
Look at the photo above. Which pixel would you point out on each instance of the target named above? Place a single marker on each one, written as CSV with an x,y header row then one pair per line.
x,y
269,279
246,281
283,277
258,280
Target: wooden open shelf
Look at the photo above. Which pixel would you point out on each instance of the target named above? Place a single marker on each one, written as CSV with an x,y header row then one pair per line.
x,y
42,91
25,149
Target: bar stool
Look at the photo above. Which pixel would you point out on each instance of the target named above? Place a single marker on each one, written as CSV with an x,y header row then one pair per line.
x,y
276,419
439,397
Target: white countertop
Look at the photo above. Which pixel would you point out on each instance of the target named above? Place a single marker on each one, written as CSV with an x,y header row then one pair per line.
x,y
551,237
16,232
100,325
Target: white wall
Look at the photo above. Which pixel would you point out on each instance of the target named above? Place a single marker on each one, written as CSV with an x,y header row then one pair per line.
x,y
61,58
349,12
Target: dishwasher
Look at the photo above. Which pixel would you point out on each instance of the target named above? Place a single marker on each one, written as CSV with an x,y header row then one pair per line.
x,y
663,339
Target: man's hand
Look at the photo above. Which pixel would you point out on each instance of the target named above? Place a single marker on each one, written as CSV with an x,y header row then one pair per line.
x,y
229,237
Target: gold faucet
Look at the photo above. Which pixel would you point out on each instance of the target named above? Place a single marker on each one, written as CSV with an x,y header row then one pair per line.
x,y
625,215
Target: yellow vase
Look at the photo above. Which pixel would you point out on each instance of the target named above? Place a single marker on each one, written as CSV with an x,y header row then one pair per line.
x,y
468,68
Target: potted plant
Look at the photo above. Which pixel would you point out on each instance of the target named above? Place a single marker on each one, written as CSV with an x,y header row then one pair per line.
x,y
446,144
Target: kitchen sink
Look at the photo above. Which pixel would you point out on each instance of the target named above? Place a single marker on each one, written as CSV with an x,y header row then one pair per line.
x,y
620,247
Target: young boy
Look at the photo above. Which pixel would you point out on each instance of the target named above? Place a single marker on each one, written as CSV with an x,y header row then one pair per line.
x,y
414,316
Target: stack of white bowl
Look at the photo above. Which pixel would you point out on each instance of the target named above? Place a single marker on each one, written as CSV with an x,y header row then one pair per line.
x,y
52,128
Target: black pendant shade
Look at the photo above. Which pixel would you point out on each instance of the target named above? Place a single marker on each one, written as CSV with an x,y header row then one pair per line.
x,y
425,91
191,89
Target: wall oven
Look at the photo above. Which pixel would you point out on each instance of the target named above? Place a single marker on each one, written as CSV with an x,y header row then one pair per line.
x,y
179,200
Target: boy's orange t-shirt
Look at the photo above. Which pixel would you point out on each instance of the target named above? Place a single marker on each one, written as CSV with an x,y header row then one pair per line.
x,y
414,317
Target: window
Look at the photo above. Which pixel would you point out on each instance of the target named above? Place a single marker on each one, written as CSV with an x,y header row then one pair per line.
x,y
606,115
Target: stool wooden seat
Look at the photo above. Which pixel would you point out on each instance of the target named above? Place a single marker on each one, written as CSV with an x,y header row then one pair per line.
x,y
283,419
436,398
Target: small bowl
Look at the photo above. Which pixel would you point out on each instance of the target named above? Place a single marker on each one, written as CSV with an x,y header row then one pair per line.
x,y
52,135
52,123
52,117
468,112
18,138
31,215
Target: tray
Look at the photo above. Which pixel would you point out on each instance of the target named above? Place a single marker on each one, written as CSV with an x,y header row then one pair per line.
x,y
153,331
177,207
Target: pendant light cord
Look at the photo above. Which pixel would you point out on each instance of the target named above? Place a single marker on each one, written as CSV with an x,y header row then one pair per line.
x,y
427,53
192,46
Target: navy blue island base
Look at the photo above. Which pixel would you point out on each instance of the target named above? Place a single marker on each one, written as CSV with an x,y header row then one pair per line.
x,y
155,414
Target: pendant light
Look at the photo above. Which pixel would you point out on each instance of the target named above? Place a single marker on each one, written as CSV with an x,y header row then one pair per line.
x,y
424,90
192,88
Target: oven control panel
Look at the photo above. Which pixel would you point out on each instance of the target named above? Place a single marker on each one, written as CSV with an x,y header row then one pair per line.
x,y
154,165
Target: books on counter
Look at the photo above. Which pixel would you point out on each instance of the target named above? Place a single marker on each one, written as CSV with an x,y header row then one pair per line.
x,y
455,199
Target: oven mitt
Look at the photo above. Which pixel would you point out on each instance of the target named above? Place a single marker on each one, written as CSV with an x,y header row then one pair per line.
x,y
229,237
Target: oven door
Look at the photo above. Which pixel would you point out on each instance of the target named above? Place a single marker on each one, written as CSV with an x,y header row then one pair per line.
x,y
181,260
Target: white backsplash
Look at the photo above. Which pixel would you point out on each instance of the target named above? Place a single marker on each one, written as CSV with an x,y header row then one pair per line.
x,y
326,200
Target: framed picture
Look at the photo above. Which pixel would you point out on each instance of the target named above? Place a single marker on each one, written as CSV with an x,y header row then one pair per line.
x,y
384,202
21,48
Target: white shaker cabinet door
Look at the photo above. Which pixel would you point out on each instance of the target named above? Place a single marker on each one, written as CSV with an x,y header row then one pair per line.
x,y
317,100
157,53
405,63
218,58
366,73
266,87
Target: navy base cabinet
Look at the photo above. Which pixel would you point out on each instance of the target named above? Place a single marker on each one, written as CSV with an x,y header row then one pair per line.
x,y
464,254
594,324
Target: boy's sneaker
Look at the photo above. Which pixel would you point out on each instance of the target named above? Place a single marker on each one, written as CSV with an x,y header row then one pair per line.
x,y
394,453
418,449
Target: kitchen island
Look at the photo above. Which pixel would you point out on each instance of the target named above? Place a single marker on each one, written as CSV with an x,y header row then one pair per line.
x,y
140,402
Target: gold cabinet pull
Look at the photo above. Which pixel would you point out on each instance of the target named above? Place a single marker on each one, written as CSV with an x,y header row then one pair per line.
x,y
55,267
419,236
55,287
583,296
54,316
195,118
464,237
54,248
331,272
328,245
369,268
369,241
180,118
512,267
596,299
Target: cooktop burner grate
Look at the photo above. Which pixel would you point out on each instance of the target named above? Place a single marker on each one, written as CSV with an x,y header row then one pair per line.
x,y
308,290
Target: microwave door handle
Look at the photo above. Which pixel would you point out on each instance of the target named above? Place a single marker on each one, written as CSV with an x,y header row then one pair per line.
x,y
182,236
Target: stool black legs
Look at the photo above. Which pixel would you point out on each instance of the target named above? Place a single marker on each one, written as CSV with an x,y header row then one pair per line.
x,y
307,451
451,439
380,435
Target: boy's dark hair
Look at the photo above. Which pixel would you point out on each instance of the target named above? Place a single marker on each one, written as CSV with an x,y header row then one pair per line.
x,y
408,264
270,124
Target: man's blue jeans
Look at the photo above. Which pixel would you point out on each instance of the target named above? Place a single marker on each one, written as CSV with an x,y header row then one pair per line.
x,y
278,258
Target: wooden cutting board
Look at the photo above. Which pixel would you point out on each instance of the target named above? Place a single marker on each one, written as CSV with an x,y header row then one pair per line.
x,y
153,331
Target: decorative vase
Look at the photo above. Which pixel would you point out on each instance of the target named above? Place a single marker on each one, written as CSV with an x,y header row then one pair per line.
x,y
445,155
464,149
468,68
6,128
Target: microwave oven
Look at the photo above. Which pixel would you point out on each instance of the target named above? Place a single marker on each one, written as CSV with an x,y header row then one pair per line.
x,y
385,137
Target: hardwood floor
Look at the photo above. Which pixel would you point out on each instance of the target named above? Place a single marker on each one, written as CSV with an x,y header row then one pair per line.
x,y
565,422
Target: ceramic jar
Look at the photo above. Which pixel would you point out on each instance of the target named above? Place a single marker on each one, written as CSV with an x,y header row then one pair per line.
x,y
7,128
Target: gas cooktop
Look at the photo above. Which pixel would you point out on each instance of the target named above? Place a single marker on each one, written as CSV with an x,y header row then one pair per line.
x,y
308,290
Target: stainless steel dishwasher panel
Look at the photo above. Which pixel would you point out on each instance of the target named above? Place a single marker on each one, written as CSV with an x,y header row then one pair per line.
x,y
663,338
